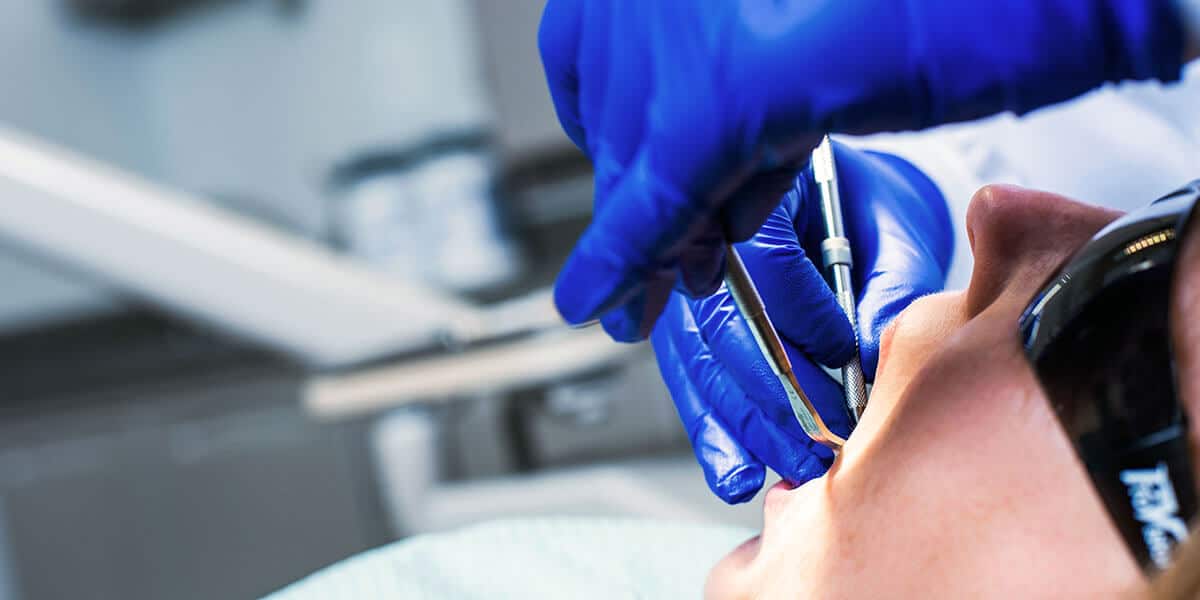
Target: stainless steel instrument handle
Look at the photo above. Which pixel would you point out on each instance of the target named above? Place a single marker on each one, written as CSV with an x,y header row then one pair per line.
x,y
750,304
838,260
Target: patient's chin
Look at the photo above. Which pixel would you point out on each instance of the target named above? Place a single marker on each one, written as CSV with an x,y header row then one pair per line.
x,y
736,575
727,579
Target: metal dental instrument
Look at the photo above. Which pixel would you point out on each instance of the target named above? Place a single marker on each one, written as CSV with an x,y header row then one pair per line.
x,y
750,304
835,253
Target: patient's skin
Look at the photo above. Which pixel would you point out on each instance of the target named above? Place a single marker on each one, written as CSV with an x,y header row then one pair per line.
x,y
958,482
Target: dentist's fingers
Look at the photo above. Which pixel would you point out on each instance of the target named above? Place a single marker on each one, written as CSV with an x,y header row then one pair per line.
x,y
724,356
912,251
670,193
702,263
883,297
826,394
801,305
732,473
634,320
637,231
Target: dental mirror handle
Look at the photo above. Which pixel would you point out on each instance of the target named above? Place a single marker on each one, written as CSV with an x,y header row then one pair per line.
x,y
754,312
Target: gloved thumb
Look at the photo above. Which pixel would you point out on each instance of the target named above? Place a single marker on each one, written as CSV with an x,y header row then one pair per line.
x,y
883,297
910,224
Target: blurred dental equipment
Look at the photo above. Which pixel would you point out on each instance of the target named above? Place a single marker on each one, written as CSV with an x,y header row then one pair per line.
x,y
226,270
425,212
184,347
754,312
838,261
214,265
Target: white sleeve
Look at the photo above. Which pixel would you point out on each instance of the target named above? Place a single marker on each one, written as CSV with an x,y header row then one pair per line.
x,y
1118,147
960,161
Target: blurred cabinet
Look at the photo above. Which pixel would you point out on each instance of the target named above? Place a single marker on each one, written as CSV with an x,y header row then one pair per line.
x,y
191,476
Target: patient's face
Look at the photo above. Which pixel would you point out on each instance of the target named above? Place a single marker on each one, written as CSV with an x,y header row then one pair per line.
x,y
958,482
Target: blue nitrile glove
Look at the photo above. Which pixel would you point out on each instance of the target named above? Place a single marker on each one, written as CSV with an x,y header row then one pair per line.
x,y
695,112
733,408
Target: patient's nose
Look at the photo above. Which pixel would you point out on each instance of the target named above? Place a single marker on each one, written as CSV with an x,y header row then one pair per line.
x,y
1019,237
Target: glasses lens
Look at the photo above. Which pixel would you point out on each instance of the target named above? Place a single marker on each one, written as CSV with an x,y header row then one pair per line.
x,y
1109,377
1098,338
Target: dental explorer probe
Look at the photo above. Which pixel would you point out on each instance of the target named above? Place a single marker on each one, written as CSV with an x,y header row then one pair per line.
x,y
835,253
754,312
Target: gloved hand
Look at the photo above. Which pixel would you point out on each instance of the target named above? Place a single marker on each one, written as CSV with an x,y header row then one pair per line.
x,y
696,113
732,407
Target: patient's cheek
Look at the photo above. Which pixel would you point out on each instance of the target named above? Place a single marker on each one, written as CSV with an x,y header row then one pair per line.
x,y
913,337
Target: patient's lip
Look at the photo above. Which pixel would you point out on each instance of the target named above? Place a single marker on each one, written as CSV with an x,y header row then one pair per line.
x,y
785,485
777,497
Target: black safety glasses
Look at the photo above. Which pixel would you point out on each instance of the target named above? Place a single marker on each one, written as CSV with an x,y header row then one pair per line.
x,y
1098,337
